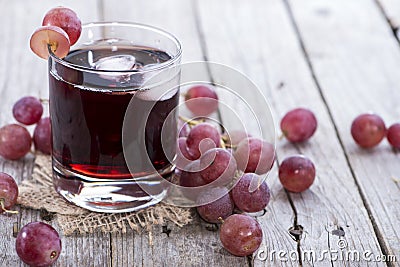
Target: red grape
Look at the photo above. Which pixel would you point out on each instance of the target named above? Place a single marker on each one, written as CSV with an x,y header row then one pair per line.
x,y
183,128
38,244
201,100
191,176
368,130
241,235
234,137
52,36
42,136
298,125
201,138
218,163
66,19
250,201
297,173
28,110
255,155
15,141
217,210
183,157
8,192
393,135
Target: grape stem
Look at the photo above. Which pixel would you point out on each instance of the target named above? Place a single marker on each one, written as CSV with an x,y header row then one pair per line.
x,y
4,208
44,100
191,122
222,143
225,140
52,47
281,136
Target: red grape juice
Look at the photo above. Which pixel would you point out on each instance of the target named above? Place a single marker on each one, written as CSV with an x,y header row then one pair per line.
x,y
87,113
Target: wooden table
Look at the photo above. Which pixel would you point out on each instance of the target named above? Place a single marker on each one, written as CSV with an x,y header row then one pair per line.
x,y
339,58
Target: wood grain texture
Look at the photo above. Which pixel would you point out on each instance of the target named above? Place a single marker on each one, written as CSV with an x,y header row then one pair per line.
x,y
269,52
356,59
23,73
392,12
192,245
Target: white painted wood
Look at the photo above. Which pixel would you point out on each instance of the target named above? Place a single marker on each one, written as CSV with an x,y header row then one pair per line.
x,y
192,245
23,73
392,11
356,61
258,39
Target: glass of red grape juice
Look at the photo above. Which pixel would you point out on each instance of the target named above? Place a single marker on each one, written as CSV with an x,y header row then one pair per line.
x,y
114,67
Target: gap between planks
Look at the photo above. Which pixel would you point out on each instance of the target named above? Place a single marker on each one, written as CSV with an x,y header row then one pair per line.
x,y
197,18
378,234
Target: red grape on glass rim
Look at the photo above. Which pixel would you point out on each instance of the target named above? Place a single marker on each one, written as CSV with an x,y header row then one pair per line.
x,y
66,19
52,37
28,110
8,193
298,125
368,130
38,244
296,173
241,235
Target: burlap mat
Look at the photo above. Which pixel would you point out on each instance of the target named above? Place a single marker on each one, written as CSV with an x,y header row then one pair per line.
x,y
38,193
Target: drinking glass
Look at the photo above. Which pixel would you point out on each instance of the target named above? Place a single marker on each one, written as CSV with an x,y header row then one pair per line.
x,y
114,66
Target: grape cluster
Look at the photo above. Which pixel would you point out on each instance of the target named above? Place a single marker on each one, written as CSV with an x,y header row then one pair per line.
x,y
15,139
207,154
369,129
201,160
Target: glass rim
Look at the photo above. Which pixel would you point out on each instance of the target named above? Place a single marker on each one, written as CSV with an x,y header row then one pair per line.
x,y
161,66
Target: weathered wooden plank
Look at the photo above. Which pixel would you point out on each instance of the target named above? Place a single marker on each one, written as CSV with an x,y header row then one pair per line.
x,y
192,245
356,59
258,39
175,17
23,73
222,23
392,12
